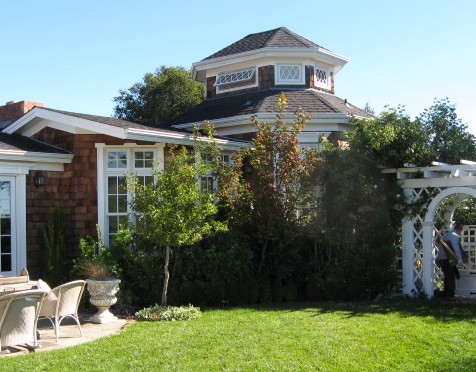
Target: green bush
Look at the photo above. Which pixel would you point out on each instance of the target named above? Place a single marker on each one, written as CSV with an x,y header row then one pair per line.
x,y
139,265
217,271
168,313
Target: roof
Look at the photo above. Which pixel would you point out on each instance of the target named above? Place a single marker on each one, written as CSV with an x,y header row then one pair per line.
x,y
115,122
14,142
264,101
117,128
278,38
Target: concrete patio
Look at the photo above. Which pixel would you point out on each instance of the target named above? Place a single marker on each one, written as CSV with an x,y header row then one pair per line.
x,y
69,334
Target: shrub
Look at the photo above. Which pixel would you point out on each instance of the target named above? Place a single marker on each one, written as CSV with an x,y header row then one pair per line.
x,y
216,271
56,265
139,265
168,313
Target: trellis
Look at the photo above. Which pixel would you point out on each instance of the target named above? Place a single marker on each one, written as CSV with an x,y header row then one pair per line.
x,y
438,189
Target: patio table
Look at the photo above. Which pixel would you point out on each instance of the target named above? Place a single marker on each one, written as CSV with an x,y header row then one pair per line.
x,y
15,287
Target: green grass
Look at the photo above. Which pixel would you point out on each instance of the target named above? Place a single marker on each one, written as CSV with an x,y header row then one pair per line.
x,y
395,335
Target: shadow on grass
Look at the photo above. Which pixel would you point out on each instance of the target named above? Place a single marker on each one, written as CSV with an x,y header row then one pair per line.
x,y
436,308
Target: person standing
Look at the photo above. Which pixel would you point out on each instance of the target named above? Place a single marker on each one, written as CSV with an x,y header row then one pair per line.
x,y
448,261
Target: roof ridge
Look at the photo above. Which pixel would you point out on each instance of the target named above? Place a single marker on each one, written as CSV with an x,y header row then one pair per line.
x,y
299,37
280,37
320,95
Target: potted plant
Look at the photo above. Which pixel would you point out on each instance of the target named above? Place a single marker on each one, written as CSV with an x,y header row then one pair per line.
x,y
102,287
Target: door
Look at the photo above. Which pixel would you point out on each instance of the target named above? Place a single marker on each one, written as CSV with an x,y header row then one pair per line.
x,y
8,251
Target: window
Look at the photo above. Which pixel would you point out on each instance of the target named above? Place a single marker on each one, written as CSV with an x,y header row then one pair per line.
x,y
6,251
143,159
322,77
289,74
118,163
236,79
117,160
208,183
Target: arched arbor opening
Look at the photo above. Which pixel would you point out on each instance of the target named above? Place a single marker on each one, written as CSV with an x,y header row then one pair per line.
x,y
435,191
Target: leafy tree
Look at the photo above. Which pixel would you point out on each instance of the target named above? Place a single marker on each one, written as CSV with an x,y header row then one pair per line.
x,y
173,211
280,193
392,139
369,109
447,134
160,97
466,212
355,254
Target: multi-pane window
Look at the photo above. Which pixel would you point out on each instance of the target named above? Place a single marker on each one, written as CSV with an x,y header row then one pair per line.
x,y
117,199
117,160
289,74
208,182
322,77
6,252
120,162
236,79
143,159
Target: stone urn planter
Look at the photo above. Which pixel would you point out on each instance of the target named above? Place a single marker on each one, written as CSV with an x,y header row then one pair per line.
x,y
103,296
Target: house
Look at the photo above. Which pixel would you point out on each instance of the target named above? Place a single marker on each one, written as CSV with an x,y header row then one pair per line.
x,y
51,158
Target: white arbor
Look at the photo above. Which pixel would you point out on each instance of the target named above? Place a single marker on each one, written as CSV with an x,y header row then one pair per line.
x,y
438,190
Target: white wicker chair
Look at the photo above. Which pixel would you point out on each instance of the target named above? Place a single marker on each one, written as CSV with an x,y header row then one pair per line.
x,y
19,313
63,302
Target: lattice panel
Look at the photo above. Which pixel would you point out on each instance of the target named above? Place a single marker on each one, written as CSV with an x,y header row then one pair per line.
x,y
235,77
290,72
418,253
468,241
321,76
398,257
418,238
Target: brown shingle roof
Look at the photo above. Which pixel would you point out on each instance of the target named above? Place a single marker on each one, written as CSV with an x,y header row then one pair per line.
x,y
264,101
101,119
278,38
115,122
9,142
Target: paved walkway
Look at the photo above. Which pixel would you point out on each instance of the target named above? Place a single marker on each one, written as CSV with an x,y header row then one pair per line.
x,y
69,333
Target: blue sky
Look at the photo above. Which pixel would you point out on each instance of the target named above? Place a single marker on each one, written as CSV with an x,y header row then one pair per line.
x,y
76,55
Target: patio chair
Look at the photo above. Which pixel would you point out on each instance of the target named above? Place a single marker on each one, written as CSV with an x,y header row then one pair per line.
x,y
62,302
19,313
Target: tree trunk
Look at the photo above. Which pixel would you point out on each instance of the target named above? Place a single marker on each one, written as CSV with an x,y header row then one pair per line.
x,y
166,276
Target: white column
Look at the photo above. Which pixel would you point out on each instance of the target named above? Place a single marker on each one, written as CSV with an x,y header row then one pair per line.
x,y
428,280
408,284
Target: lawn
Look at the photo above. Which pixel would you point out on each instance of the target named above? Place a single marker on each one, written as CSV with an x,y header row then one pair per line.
x,y
394,335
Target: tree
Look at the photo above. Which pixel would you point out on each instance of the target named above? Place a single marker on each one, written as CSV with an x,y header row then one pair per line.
x,y
369,109
364,207
280,196
447,134
173,211
160,97
392,139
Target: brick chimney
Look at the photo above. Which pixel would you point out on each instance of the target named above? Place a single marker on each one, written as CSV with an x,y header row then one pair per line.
x,y
14,110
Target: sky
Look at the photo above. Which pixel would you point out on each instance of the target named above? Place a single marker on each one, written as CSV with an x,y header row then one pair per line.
x,y
77,55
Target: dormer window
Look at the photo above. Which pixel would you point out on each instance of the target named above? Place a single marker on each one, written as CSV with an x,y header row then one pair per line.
x,y
236,79
322,77
290,74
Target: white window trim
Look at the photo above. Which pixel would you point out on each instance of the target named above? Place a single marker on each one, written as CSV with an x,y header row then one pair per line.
x,y
221,87
327,70
279,81
103,172
16,174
